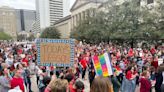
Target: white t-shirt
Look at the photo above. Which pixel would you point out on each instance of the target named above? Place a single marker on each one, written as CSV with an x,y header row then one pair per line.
x,y
25,49
140,54
9,61
32,65
16,89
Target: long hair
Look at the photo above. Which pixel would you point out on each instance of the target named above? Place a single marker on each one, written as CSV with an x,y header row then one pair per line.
x,y
1,72
101,84
128,69
59,85
160,68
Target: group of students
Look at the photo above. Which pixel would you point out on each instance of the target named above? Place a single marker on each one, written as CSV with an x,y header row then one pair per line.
x,y
132,68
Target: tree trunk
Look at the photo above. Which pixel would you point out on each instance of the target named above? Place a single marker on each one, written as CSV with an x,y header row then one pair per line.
x,y
132,43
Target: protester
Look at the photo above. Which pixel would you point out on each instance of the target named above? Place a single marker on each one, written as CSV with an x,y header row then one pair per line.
x,y
17,81
9,60
129,81
25,60
162,86
101,84
37,71
91,76
91,71
155,62
159,79
5,80
128,64
58,85
83,63
27,78
115,82
42,75
71,81
145,82
46,81
79,86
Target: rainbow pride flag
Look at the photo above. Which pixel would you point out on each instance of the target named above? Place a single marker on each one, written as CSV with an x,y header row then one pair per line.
x,y
102,65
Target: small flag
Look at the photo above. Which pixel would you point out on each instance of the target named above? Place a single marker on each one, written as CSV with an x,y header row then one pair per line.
x,y
102,65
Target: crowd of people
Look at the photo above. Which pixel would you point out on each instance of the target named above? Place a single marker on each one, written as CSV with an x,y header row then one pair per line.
x,y
15,62
132,68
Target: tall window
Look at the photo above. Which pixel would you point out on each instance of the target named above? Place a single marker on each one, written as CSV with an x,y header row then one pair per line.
x,y
22,19
150,1
138,2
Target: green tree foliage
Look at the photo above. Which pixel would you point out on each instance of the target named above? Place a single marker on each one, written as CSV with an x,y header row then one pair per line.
x,y
4,36
91,29
21,37
50,32
153,21
128,20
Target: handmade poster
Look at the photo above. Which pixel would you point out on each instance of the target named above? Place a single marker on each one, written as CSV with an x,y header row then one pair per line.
x,y
160,61
102,65
57,52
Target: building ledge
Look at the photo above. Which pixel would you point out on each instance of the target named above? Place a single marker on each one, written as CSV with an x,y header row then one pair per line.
x,y
62,19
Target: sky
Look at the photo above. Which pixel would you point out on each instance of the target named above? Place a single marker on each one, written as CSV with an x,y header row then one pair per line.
x,y
72,2
22,4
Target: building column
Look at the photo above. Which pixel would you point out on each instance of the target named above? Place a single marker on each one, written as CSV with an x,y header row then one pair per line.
x,y
72,23
87,13
80,18
83,15
77,19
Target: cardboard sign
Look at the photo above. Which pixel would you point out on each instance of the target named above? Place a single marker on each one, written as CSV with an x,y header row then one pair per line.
x,y
57,52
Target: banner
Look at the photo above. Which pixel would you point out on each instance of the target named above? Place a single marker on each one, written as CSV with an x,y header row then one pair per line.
x,y
102,65
57,52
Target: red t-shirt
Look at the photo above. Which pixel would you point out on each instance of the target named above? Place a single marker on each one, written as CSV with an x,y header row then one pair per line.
x,y
20,51
145,85
153,51
71,88
118,55
155,64
130,53
83,63
52,68
118,68
17,82
129,75
126,62
25,60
